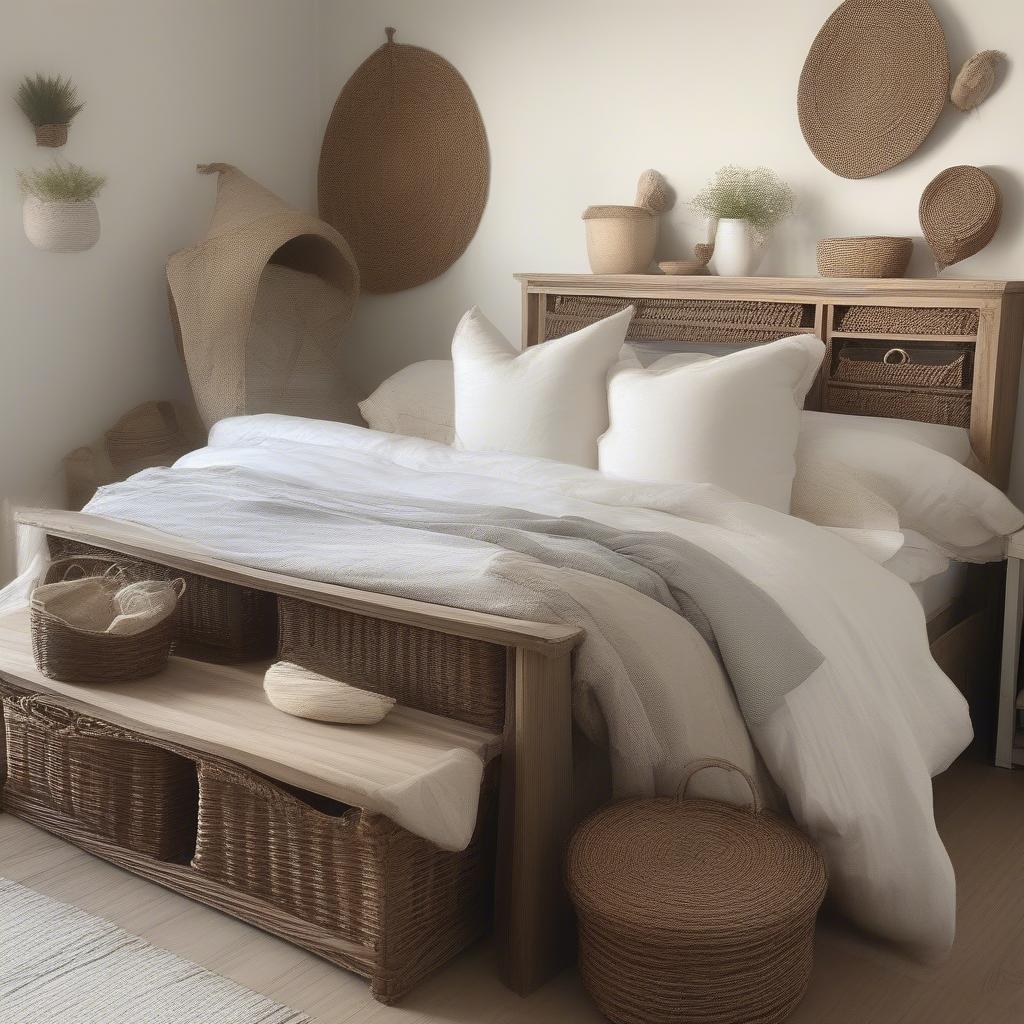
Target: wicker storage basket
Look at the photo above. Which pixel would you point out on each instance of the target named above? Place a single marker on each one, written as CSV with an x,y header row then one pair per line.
x,y
448,675
52,136
901,371
620,239
867,256
909,320
109,781
218,622
694,910
74,654
406,905
952,407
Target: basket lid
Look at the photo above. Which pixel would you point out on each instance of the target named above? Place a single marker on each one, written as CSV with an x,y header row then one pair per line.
x,y
873,85
683,867
625,212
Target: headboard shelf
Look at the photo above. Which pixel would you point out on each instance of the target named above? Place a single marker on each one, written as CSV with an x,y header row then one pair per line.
x,y
974,326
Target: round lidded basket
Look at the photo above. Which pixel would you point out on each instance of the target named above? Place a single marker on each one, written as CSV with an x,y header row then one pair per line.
x,y
693,911
959,212
620,239
73,654
864,256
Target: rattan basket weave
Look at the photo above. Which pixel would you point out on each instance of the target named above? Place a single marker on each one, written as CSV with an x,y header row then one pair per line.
x,y
117,788
866,256
52,136
903,372
909,320
694,910
960,211
74,654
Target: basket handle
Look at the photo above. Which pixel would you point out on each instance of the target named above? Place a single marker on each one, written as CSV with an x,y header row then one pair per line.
x,y
899,357
694,767
179,586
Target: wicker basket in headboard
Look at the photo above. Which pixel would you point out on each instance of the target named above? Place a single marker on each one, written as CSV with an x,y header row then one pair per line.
x,y
931,350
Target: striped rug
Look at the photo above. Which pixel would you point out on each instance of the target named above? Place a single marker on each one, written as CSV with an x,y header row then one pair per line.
x,y
58,964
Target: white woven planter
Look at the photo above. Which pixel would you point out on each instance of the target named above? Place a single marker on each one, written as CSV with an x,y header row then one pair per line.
x,y
61,227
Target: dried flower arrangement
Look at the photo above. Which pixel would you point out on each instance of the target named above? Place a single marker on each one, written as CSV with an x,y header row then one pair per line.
x,y
61,183
50,102
758,196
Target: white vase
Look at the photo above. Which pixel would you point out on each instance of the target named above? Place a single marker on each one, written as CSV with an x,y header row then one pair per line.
x,y
738,248
61,227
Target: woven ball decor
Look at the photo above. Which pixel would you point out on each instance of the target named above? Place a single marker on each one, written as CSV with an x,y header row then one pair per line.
x,y
694,911
959,213
873,85
404,167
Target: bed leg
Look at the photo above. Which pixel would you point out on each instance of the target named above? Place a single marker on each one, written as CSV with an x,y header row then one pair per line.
x,y
533,920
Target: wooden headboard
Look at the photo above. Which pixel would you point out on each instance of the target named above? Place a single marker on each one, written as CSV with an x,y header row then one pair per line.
x,y
962,338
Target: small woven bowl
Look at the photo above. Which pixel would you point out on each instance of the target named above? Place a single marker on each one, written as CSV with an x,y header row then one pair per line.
x,y
681,268
865,256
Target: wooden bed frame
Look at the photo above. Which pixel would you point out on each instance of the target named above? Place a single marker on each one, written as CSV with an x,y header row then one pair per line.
x,y
965,636
538,805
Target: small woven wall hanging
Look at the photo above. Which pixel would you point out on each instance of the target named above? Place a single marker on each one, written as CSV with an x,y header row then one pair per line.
x,y
976,80
404,167
959,213
873,85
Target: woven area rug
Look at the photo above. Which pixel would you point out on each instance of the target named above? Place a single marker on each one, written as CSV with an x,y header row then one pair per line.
x,y
58,964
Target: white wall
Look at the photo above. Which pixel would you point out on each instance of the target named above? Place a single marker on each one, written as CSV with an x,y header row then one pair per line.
x,y
579,96
168,83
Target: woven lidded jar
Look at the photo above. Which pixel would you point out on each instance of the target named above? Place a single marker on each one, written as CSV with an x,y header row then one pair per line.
x,y
694,910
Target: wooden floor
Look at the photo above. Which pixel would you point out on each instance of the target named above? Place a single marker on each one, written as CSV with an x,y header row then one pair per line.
x,y
980,812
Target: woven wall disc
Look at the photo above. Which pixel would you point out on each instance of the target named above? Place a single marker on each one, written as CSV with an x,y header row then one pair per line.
x,y
959,213
873,85
404,167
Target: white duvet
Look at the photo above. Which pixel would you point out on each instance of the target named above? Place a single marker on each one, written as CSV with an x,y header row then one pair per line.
x,y
853,748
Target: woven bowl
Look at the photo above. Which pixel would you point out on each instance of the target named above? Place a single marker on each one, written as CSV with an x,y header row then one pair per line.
x,y
867,256
681,268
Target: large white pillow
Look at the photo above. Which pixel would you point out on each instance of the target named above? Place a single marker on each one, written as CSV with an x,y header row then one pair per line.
x,y
550,401
418,401
732,421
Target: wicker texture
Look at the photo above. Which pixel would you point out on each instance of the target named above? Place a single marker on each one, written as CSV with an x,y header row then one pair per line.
x,y
951,408
409,905
75,654
959,212
976,79
909,320
873,85
688,320
906,374
694,911
114,785
260,260
404,167
52,136
456,677
866,256
620,239
217,621
148,435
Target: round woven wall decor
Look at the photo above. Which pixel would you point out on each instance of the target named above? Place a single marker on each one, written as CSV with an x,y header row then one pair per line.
x,y
873,85
959,213
404,167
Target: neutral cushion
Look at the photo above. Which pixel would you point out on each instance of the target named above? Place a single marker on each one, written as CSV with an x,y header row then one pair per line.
x,y
418,401
549,401
732,421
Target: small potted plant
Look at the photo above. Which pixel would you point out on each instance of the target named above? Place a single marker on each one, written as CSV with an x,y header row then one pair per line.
x,y
59,214
742,206
51,104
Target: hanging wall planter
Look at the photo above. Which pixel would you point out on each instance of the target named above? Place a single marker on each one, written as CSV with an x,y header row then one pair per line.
x,y
51,104
59,214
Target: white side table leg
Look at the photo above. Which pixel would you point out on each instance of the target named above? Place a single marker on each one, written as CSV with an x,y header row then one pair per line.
x,y
1008,671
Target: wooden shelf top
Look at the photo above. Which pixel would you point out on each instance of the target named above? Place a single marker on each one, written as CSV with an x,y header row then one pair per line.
x,y
222,710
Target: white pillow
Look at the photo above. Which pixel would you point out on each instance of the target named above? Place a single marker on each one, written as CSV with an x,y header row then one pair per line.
x,y
952,441
418,401
863,480
550,401
732,421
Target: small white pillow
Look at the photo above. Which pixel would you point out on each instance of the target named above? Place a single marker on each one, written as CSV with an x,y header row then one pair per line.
x,y
418,401
550,401
732,421
952,441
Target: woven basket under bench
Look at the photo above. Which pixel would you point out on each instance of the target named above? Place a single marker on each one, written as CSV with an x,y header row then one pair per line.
x,y
347,883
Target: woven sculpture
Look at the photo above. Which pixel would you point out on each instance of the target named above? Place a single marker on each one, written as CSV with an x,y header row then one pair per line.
x,y
404,167
976,80
260,307
873,85
864,256
959,213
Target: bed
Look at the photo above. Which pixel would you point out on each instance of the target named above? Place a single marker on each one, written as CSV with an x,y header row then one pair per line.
x,y
580,618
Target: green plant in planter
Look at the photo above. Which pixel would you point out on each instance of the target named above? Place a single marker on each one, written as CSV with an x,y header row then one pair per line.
x,y
758,196
61,183
50,103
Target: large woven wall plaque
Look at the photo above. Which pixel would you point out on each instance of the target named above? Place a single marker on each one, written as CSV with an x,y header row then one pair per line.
x,y
873,85
404,167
